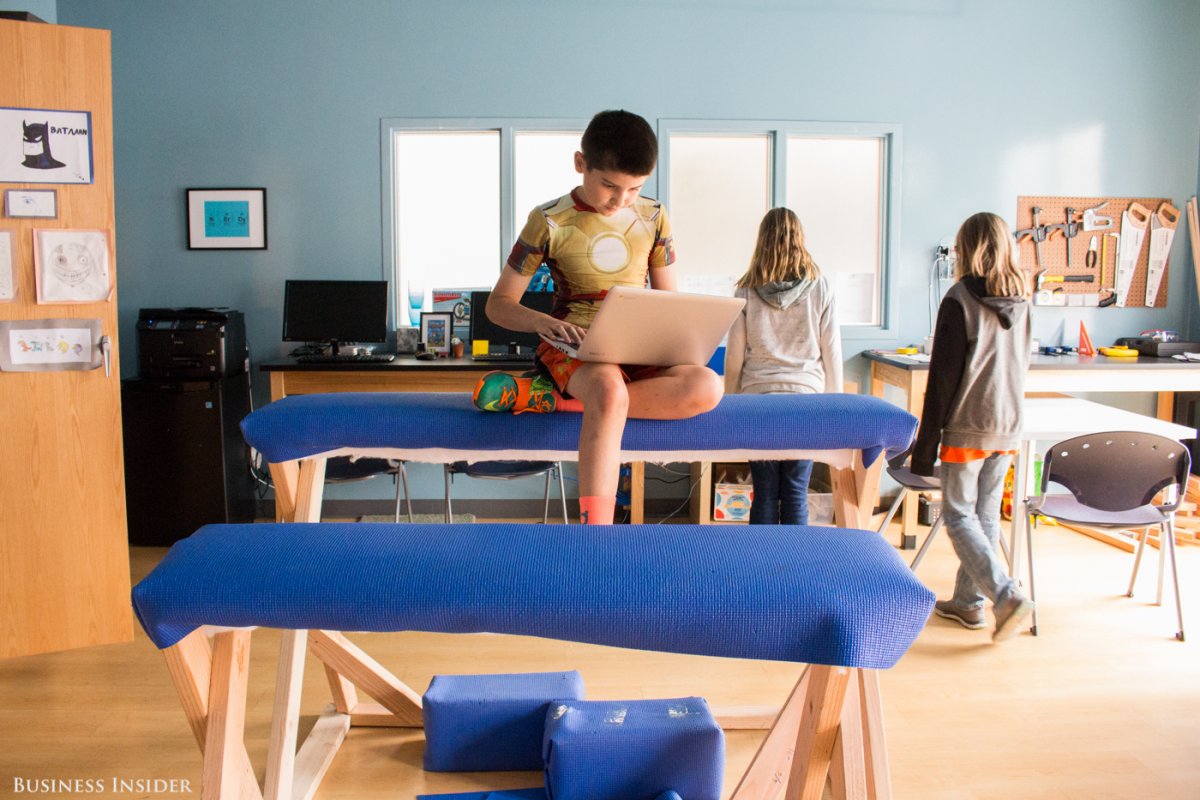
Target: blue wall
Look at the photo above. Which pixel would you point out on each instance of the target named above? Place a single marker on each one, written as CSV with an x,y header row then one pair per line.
x,y
995,100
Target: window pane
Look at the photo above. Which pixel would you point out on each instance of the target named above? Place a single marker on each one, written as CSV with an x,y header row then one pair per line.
x,y
543,169
834,186
720,189
447,211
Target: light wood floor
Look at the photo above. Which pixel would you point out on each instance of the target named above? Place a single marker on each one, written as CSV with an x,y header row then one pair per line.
x,y
1103,704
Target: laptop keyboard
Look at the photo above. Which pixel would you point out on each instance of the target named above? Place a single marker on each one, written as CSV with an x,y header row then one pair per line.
x,y
345,358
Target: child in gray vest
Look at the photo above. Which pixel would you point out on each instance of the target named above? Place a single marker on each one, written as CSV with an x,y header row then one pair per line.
x,y
971,419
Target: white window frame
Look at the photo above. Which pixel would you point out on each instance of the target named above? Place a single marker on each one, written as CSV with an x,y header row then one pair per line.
x,y
779,132
508,128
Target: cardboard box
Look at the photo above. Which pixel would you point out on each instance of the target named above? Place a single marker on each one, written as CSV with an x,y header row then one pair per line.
x,y
732,495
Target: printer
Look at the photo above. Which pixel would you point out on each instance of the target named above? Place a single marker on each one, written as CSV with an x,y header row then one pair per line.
x,y
191,343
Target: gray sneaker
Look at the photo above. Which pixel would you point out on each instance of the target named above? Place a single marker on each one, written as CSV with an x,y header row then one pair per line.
x,y
970,618
1010,613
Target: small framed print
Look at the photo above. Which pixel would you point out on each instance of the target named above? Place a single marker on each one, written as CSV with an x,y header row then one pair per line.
x,y
71,266
436,328
37,203
8,261
227,219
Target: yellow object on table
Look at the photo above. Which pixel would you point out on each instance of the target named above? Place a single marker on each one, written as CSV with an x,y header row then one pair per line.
x,y
906,351
479,347
1119,352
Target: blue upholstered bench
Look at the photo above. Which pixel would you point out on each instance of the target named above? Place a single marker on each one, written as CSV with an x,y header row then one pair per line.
x,y
840,600
847,431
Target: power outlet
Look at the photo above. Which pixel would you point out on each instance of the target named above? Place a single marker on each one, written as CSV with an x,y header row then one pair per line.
x,y
945,258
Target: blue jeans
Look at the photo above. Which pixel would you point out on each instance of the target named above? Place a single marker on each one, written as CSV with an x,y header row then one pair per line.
x,y
971,495
780,492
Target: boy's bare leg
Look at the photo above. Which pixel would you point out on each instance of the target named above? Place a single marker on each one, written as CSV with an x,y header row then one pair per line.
x,y
676,393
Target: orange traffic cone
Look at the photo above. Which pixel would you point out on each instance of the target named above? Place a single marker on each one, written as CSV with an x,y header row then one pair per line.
x,y
1085,342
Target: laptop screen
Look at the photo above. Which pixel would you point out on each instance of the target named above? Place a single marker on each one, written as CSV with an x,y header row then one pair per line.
x,y
499,338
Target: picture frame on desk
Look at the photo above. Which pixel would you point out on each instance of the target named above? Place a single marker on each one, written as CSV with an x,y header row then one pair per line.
x,y
437,327
227,219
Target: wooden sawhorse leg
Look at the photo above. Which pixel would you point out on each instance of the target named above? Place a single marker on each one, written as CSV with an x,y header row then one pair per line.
x,y
831,726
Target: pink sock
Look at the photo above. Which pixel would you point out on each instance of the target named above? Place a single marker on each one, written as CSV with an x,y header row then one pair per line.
x,y
567,404
596,510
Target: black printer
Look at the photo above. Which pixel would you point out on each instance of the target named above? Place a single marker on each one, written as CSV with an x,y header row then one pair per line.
x,y
191,343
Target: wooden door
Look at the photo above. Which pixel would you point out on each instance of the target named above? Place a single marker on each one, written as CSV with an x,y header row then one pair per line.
x,y
64,557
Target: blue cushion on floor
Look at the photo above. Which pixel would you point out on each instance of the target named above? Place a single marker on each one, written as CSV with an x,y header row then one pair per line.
x,y
491,723
633,750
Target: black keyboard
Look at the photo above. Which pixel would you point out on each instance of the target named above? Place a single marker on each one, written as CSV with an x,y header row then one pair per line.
x,y
346,358
499,357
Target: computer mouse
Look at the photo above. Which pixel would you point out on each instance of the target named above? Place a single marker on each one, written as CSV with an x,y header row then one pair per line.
x,y
426,356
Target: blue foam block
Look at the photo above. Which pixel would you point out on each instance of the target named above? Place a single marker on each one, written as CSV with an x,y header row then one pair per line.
x,y
505,794
491,723
633,750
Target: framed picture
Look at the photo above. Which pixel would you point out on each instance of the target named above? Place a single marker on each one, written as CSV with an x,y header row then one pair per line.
x,y
41,145
71,266
40,203
8,261
436,330
227,219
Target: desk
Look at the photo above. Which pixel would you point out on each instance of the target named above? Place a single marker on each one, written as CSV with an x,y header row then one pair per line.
x,y
405,374
1052,419
408,374
1065,374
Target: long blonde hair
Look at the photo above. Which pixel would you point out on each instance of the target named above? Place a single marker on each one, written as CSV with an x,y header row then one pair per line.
x,y
779,253
986,249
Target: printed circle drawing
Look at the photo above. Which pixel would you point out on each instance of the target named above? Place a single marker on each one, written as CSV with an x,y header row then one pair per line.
x,y
609,253
72,263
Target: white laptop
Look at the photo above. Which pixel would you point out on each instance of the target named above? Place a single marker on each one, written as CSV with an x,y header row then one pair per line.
x,y
655,328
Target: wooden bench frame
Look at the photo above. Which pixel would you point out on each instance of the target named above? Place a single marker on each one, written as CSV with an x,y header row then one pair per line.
x,y
832,718
831,725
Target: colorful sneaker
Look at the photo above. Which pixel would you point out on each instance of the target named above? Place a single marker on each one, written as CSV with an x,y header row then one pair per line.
x,y
970,618
499,391
1010,613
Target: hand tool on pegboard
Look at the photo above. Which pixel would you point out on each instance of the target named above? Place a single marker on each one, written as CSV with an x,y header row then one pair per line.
x,y
1112,297
1162,233
1089,259
1134,221
1039,233
1070,229
1093,221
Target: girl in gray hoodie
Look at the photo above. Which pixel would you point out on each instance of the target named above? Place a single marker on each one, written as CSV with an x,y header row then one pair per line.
x,y
786,340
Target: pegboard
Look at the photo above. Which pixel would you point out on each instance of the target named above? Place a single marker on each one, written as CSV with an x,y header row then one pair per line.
x,y
1053,210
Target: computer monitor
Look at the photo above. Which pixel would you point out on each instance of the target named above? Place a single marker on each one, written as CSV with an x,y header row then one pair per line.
x,y
499,338
335,312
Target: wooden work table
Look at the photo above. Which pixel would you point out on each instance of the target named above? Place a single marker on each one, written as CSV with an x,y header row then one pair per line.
x,y
409,374
1067,374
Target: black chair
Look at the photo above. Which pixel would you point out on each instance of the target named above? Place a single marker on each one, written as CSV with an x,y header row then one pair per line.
x,y
899,471
505,471
344,469
1113,479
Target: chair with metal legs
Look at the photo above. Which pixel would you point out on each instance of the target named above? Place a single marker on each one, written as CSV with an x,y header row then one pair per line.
x,y
508,470
900,471
343,469
1113,479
